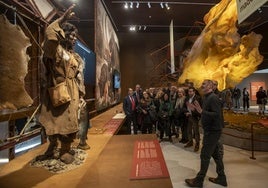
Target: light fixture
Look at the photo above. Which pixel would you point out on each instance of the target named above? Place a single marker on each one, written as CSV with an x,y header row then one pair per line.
x,y
138,4
166,4
260,10
132,28
140,27
149,4
131,5
126,5
144,27
161,4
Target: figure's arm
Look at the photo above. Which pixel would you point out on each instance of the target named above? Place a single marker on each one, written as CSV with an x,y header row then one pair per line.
x,y
54,33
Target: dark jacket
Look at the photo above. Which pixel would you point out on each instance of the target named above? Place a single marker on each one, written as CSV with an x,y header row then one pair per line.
x,y
212,116
127,105
261,95
194,113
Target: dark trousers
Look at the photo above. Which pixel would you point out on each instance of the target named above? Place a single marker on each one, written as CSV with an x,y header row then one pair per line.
x,y
211,148
193,129
164,127
131,119
245,103
181,123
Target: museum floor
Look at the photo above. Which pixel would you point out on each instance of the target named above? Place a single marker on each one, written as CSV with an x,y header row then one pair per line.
x,y
182,163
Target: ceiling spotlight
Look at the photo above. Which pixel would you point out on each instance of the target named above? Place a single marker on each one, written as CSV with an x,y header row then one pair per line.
x,y
138,4
144,27
131,5
140,27
260,10
149,4
161,4
166,4
126,5
132,28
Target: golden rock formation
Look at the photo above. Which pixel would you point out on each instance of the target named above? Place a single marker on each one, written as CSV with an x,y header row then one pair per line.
x,y
13,66
219,53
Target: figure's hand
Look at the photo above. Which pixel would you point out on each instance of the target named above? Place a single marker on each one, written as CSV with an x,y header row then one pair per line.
x,y
68,14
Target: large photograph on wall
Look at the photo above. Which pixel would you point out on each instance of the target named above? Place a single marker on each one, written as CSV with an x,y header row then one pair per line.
x,y
107,60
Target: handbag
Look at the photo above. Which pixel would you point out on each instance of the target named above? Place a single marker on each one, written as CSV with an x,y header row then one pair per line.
x,y
59,94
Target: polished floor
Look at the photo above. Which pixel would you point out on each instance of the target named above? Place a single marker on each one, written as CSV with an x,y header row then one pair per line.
x,y
241,171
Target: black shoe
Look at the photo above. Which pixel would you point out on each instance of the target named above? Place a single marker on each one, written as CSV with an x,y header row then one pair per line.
x,y
194,182
220,181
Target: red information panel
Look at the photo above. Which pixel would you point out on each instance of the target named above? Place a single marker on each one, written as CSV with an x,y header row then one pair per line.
x,y
148,161
112,126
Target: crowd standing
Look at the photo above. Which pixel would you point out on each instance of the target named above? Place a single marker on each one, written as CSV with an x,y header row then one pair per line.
x,y
180,111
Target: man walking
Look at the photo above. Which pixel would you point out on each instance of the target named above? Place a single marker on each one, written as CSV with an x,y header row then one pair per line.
x,y
212,122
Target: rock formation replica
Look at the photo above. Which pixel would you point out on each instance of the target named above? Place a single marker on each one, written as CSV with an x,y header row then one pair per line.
x,y
220,53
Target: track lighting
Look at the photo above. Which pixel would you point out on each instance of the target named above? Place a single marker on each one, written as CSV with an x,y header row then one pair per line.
x,y
126,5
138,4
166,4
131,4
132,28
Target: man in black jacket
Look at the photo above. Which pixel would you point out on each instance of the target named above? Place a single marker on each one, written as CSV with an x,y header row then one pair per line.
x,y
212,122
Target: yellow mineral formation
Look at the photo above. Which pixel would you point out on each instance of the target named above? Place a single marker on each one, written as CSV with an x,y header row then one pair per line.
x,y
220,53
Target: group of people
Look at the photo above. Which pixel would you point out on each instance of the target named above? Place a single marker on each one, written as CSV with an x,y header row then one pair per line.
x,y
233,96
178,111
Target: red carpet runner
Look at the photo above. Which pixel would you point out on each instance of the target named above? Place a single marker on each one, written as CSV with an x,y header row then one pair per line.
x,y
112,126
148,161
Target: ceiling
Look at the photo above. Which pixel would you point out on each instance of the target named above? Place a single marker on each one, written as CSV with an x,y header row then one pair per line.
x,y
187,16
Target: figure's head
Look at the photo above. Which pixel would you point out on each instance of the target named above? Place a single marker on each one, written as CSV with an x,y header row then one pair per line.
x,y
70,32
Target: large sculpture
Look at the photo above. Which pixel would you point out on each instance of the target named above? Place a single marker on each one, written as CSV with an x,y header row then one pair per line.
x,y
219,53
13,66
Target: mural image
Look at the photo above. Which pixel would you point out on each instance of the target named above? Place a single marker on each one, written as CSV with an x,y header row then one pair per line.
x,y
107,60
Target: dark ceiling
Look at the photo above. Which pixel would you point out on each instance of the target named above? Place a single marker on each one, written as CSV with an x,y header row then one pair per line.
x,y
186,15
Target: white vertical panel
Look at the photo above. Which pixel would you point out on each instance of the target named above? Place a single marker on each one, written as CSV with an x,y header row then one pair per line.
x,y
171,47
